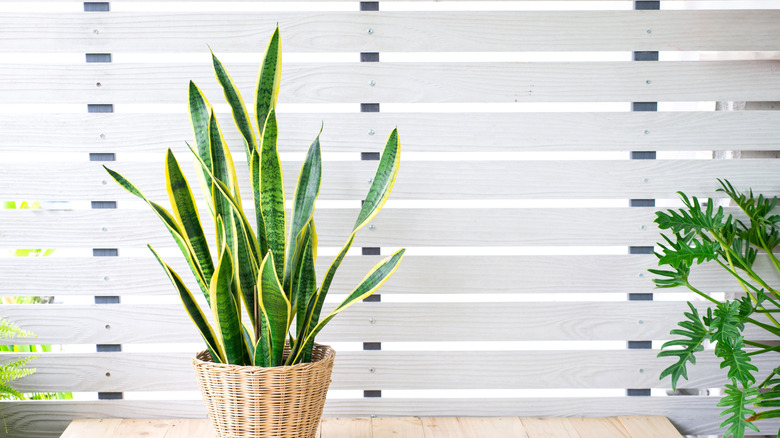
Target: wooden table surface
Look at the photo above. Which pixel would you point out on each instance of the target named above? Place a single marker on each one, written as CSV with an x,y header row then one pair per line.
x,y
402,427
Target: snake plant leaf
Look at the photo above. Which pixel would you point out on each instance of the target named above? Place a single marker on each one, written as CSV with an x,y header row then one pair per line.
x,y
173,227
223,171
370,283
272,194
224,191
268,80
186,212
304,283
254,175
382,185
246,267
237,107
306,192
200,112
226,310
275,316
193,310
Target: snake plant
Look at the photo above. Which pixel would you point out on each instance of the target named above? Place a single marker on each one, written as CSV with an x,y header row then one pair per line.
x,y
702,233
259,281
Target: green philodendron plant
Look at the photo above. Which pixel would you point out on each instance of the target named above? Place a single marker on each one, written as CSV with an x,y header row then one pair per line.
x,y
264,277
702,233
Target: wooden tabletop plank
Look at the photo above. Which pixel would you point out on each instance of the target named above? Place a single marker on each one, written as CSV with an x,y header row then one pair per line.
x,y
192,429
649,427
145,428
481,427
609,427
397,427
537,427
442,427
92,428
358,427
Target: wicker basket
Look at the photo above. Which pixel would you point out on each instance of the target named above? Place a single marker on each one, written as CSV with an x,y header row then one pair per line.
x,y
256,402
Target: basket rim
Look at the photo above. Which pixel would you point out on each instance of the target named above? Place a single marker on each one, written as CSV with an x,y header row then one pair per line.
x,y
328,355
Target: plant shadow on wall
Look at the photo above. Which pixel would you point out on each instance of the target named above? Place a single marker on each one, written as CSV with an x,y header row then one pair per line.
x,y
262,290
704,234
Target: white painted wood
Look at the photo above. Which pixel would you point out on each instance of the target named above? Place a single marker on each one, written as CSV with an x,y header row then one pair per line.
x,y
673,81
123,372
394,227
695,415
421,180
400,322
460,31
132,276
419,132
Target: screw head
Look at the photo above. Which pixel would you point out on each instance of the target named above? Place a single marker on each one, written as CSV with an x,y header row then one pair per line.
x,y
108,374
641,370
104,182
372,83
646,131
371,321
98,84
370,31
641,274
371,369
102,136
108,326
645,180
649,31
105,278
371,227
95,31
642,227
641,321
648,82
371,132
370,180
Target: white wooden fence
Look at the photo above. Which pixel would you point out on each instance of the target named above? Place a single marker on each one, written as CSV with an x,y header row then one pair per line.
x,y
524,291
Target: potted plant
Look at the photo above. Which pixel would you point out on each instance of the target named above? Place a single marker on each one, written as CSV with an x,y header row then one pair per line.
x,y
262,374
701,233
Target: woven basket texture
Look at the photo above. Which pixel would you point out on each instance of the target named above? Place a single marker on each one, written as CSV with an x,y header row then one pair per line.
x,y
257,402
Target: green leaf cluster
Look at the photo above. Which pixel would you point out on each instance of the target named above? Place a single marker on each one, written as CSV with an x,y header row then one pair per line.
x,y
700,233
13,370
259,279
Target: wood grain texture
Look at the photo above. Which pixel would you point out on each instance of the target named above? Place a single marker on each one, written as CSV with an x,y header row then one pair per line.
x,y
609,427
694,415
401,322
397,427
393,370
571,274
649,427
462,31
423,180
420,132
359,427
105,428
411,82
394,227
544,427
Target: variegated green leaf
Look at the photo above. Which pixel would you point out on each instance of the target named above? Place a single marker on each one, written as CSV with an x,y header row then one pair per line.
x,y
193,310
268,80
246,267
274,314
306,192
272,194
173,227
370,283
233,98
305,280
254,175
226,310
186,212
377,196
200,111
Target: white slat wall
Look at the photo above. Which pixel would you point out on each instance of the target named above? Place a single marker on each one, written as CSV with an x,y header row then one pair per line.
x,y
513,197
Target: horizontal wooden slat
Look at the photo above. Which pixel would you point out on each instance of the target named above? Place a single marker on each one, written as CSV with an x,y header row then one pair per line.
x,y
394,227
463,31
419,132
405,82
123,372
413,322
453,275
695,415
423,180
